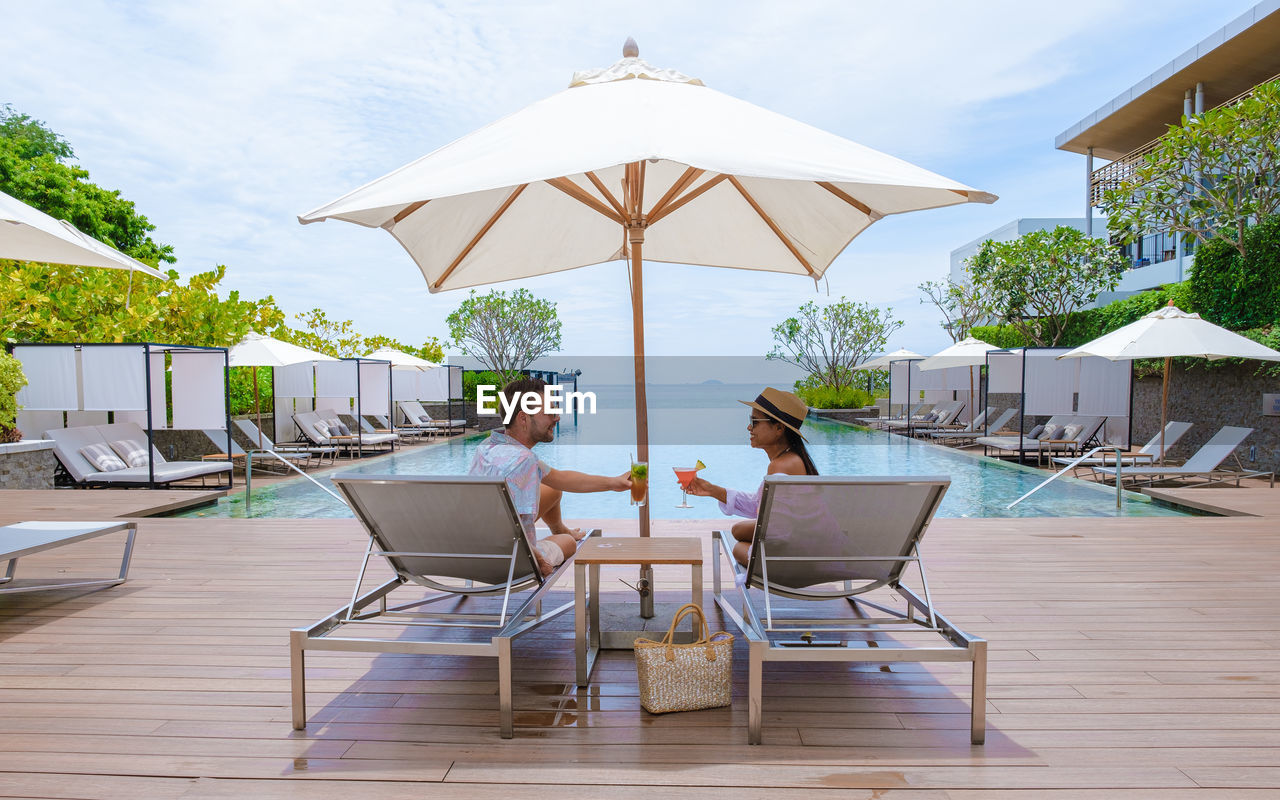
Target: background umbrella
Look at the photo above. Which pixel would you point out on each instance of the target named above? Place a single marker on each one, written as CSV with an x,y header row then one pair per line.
x,y
969,352
633,161
256,350
1168,333
402,360
28,234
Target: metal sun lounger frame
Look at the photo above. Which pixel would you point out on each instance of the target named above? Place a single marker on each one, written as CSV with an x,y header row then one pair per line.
x,y
1217,450
970,438
923,495
914,412
318,452
1148,453
27,538
953,427
470,531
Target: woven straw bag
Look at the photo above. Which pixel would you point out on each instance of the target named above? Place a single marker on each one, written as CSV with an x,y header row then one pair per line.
x,y
685,677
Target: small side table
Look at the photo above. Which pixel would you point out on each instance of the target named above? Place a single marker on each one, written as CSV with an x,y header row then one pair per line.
x,y
1051,442
596,552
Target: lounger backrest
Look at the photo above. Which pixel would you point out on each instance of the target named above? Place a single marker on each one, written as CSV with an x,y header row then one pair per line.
x,y
1002,420
951,413
219,439
1091,427
66,446
469,519
306,422
129,430
1218,449
1172,433
977,421
821,519
252,433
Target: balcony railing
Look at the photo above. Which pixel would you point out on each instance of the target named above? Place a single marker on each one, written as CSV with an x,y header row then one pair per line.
x,y
1109,175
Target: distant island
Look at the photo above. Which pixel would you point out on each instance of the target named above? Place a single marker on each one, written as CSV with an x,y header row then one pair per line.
x,y
711,382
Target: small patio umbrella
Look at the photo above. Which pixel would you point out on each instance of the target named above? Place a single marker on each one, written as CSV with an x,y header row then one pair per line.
x,y
969,352
256,350
885,361
1168,333
402,360
572,180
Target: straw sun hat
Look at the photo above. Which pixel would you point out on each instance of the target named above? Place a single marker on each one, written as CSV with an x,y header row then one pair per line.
x,y
782,407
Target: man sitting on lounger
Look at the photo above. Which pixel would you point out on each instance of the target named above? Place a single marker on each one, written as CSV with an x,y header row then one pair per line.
x,y
535,487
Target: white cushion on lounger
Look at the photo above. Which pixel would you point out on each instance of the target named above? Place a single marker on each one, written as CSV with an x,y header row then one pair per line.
x,y
132,451
102,458
1071,431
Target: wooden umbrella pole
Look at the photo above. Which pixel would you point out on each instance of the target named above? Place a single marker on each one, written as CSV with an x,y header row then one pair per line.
x,y
633,198
1164,405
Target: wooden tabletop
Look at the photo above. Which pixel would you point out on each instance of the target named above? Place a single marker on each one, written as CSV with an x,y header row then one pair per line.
x,y
638,550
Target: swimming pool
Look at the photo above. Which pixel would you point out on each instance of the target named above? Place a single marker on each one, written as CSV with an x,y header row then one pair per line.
x,y
980,487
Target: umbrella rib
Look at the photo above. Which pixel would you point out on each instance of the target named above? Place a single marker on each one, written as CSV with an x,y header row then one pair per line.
x,y
677,204
690,175
578,193
407,210
773,226
851,200
604,190
502,209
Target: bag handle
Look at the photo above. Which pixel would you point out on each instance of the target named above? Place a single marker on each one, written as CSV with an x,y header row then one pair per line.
x,y
686,610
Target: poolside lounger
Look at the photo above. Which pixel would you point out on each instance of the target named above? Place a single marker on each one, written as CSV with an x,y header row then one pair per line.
x,y
416,414
945,415
239,457
966,438
1204,463
953,426
308,422
839,538
1089,427
458,537
368,430
382,423
68,442
27,538
915,412
1147,455
255,436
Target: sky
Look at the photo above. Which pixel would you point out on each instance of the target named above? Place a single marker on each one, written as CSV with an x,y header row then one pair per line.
x,y
224,120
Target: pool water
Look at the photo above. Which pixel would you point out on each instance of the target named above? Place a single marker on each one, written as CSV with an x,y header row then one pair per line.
x,y
980,487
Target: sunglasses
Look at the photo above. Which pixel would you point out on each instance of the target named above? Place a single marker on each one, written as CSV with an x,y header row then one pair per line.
x,y
757,420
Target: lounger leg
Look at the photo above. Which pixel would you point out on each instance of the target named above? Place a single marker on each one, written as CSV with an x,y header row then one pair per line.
x,y
978,714
298,679
755,679
505,716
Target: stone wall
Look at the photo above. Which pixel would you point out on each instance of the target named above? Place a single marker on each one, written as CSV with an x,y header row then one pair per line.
x,y
1210,399
846,414
27,464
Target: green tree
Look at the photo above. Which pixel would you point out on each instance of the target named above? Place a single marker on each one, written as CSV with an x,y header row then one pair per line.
x,y
35,168
1037,280
431,349
827,342
1209,177
962,305
11,380
505,333
1237,290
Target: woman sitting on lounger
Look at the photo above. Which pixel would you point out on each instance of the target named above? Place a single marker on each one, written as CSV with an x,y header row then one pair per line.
x,y
776,417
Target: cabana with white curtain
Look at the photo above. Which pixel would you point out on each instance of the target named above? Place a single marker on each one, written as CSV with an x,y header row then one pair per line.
x,y
946,385
350,386
92,385
440,385
904,383
1047,386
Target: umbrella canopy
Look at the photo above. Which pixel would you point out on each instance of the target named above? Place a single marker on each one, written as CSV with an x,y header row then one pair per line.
x,y
28,234
402,360
256,350
1170,333
886,361
968,353
633,161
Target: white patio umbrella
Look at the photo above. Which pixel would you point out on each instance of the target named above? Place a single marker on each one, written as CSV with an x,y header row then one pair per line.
x,y
29,234
256,350
1170,333
885,361
633,161
402,360
969,352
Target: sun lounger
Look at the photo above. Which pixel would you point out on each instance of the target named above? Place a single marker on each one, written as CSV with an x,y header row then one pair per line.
x,y
1020,445
840,538
460,538
368,430
966,438
415,414
240,458
308,423
1147,455
255,436
27,538
953,426
942,415
69,442
1205,463
916,412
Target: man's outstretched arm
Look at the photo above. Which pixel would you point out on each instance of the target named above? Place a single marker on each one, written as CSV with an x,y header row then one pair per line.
x,y
569,481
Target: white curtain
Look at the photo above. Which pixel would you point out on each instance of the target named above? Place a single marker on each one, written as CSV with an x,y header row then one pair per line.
x,y
433,385
333,405
295,380
33,424
1051,384
199,390
51,378
1104,387
455,383
1004,374
336,379
404,384
375,393
159,395
114,377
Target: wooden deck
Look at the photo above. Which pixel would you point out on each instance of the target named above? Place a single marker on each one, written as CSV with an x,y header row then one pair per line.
x,y
1130,658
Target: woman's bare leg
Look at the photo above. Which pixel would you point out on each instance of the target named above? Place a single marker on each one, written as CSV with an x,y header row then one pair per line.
x,y
743,531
